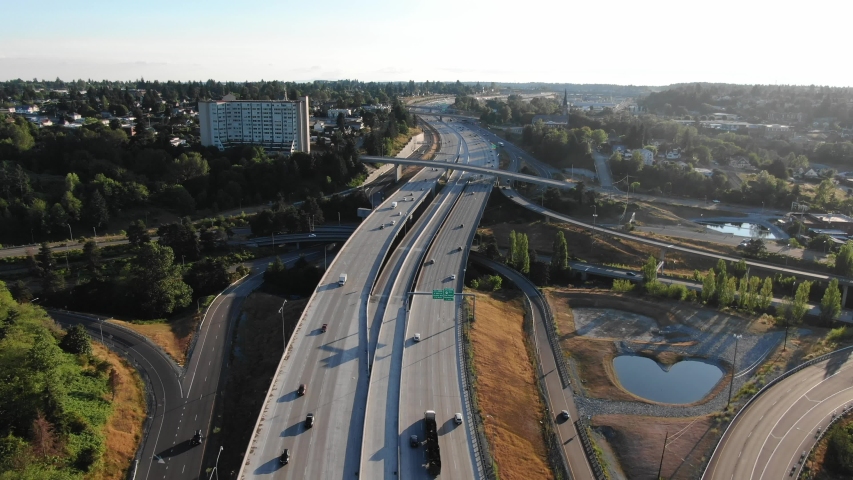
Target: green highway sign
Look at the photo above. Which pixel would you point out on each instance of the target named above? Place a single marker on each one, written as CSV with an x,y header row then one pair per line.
x,y
449,294
437,294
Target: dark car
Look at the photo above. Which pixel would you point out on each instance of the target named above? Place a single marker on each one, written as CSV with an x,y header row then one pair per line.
x,y
284,459
324,327
197,438
631,274
302,389
309,420
413,441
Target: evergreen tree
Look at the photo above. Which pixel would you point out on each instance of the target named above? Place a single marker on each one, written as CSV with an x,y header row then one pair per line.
x,y
560,256
726,292
650,270
800,306
92,258
137,234
765,297
524,253
844,260
156,281
830,304
96,213
709,286
512,258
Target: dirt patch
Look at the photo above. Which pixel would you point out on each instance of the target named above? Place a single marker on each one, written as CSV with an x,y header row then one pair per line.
x,y
689,439
506,388
123,430
255,353
173,336
664,214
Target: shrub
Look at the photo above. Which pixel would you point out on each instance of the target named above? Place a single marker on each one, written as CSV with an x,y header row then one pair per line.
x,y
623,286
839,451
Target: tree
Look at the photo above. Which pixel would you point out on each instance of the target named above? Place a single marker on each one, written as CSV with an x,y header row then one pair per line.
x,y
207,277
726,291
830,304
20,292
765,297
157,284
341,121
512,257
114,381
839,451
187,166
709,286
800,306
76,341
92,258
650,270
73,206
137,233
95,212
844,260
524,253
540,273
182,239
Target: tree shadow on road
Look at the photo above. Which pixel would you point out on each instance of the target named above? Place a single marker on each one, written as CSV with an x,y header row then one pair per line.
x,y
835,362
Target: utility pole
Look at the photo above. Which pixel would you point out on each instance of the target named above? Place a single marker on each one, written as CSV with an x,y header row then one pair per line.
x,y
660,468
734,367
283,332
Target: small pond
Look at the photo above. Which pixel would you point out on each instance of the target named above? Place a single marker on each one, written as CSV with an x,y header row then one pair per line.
x,y
687,381
748,230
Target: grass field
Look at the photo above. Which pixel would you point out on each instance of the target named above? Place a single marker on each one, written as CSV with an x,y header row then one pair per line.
x,y
173,336
123,429
506,388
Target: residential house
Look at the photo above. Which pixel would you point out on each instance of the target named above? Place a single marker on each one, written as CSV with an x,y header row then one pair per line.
x,y
551,121
648,156
26,109
674,154
739,162
334,112
45,122
704,171
811,174
319,126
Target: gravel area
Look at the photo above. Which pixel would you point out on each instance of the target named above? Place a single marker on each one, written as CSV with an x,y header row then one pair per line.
x,y
698,336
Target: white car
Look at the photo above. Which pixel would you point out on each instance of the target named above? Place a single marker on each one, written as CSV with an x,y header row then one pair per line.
x,y
417,337
453,277
457,419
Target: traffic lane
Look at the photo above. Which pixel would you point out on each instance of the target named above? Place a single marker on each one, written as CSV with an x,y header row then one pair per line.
x,y
164,382
380,446
746,439
365,251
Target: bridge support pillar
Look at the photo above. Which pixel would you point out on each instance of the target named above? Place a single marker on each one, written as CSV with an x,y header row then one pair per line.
x,y
844,296
398,172
583,276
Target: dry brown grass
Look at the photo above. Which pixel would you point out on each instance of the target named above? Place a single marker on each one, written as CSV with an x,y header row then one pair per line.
x,y
506,388
638,443
123,430
173,336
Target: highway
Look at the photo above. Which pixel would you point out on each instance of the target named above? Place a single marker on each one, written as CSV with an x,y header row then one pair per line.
x,y
333,364
767,438
432,376
380,442
558,398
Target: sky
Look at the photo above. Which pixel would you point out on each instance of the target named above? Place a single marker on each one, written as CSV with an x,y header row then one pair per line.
x,y
626,42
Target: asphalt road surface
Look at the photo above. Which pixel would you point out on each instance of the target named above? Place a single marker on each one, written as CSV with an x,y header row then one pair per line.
x,y
432,377
332,364
768,438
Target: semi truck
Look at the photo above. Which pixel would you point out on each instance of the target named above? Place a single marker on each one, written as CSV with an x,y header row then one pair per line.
x,y
342,280
432,449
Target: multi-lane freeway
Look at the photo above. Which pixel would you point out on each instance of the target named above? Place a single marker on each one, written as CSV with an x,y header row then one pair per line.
x,y
768,438
332,364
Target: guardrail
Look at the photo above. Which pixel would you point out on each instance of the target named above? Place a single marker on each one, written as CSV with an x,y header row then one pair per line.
x,y
551,331
763,389
595,465
835,418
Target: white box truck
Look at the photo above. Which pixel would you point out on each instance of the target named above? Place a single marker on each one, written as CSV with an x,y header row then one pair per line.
x,y
393,204
342,280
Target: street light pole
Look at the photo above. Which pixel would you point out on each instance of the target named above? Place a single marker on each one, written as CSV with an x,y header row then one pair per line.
x,y
283,333
217,464
69,232
734,363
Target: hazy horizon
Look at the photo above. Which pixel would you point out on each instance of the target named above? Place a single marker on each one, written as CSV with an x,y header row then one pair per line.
x,y
613,42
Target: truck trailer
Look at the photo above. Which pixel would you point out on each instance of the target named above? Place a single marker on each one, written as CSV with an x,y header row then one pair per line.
x,y
342,280
432,449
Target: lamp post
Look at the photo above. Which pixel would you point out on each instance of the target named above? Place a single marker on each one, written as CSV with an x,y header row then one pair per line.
x,y
69,232
217,464
594,216
283,333
734,363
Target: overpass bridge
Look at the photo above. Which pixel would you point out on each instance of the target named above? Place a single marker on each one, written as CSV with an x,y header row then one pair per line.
x,y
502,175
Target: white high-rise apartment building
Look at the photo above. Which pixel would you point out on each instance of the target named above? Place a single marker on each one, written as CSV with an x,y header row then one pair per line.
x,y
273,124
